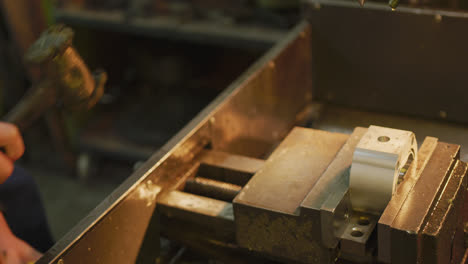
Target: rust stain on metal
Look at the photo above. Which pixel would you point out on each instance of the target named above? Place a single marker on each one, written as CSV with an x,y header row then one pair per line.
x,y
148,192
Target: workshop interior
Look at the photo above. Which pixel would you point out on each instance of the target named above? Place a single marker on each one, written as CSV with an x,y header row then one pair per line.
x,y
252,131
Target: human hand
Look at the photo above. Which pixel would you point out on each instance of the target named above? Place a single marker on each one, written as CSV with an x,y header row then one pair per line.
x,y
12,142
14,250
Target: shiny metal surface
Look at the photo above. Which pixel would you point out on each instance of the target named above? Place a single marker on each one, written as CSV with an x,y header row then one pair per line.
x,y
286,178
122,229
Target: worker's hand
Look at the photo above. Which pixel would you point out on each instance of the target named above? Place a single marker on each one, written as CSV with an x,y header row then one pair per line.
x,y
12,142
14,250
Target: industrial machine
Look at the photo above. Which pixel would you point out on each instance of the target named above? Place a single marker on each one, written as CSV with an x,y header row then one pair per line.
x,y
266,173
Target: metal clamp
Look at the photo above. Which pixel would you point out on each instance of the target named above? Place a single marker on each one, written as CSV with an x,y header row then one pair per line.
x,y
380,162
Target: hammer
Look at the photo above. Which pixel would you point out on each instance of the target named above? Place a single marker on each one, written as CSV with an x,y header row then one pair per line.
x,y
64,79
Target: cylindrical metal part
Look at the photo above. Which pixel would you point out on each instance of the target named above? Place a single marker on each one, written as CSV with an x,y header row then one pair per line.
x,y
212,188
378,159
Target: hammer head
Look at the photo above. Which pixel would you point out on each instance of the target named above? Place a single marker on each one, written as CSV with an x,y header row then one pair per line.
x,y
62,66
63,78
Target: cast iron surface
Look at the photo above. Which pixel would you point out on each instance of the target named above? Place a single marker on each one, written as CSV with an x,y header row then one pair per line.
x,y
268,211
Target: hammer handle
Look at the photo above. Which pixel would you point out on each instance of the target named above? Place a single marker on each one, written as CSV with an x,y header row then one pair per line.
x,y
34,103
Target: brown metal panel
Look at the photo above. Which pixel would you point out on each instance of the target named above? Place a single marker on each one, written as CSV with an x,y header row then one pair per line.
x,y
418,205
394,206
291,170
411,61
438,235
254,118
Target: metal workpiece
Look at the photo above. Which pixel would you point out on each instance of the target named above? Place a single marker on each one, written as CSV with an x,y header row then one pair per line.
x,y
379,163
64,79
